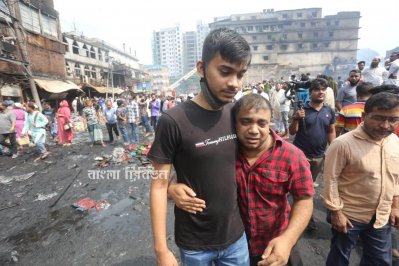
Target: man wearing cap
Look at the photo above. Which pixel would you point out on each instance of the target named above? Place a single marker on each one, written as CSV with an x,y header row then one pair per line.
x,y
7,128
375,74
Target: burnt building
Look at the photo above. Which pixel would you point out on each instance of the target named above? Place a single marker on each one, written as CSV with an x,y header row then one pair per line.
x,y
296,41
33,49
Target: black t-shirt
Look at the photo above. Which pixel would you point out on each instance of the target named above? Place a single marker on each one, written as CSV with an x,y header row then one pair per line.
x,y
201,145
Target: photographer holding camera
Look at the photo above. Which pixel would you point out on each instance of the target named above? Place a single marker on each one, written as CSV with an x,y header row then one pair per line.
x,y
314,127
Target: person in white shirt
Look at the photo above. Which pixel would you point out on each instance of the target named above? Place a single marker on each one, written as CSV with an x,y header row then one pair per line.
x,y
260,91
375,74
393,70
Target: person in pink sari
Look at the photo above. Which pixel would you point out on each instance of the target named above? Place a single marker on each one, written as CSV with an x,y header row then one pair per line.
x,y
20,117
65,137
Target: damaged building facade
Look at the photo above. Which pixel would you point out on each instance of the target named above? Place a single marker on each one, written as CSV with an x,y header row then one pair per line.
x,y
290,42
100,67
35,53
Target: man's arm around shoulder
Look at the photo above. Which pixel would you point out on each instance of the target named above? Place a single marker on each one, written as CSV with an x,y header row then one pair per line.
x,y
158,206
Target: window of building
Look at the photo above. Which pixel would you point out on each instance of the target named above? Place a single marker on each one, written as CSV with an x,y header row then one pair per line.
x,y
273,28
314,14
100,55
315,34
314,45
300,46
75,47
250,28
269,47
337,23
300,35
284,36
253,17
326,44
303,24
86,50
87,71
66,44
255,48
285,15
68,69
92,53
77,70
284,47
254,37
313,24
328,23
265,57
299,15
93,73
269,37
331,34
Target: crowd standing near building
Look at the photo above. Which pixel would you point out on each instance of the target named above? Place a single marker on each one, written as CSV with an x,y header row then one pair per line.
x,y
232,197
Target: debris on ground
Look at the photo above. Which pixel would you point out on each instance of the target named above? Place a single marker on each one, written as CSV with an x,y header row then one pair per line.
x,y
41,197
89,203
6,180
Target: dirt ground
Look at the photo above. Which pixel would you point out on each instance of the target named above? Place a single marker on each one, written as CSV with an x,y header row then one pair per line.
x,y
39,226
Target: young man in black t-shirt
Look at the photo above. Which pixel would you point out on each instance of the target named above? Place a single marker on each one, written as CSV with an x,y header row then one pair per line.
x,y
197,137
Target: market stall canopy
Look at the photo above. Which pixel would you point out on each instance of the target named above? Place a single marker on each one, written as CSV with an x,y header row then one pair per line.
x,y
57,86
11,90
105,89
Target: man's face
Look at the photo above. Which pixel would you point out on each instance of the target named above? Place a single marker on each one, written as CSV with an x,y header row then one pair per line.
x,y
153,97
279,86
374,63
2,107
318,95
224,78
109,105
381,123
354,78
360,66
252,128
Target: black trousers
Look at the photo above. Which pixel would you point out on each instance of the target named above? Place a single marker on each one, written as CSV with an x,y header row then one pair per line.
x,y
13,141
113,127
294,259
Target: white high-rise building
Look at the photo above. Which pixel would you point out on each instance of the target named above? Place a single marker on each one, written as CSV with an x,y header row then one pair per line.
x,y
202,32
167,49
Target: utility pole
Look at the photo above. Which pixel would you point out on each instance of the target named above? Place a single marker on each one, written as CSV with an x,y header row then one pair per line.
x,y
21,41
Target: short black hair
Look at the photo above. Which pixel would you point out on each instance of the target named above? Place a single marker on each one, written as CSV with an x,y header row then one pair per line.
x,y
317,83
361,62
355,71
231,46
251,101
363,89
381,101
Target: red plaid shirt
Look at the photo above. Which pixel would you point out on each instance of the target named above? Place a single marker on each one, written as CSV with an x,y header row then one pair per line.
x,y
263,190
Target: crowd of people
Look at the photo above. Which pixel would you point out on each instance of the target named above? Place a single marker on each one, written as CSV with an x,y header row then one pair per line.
x,y
23,124
231,197
236,167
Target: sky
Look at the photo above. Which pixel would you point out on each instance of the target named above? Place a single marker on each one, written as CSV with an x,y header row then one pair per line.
x,y
132,22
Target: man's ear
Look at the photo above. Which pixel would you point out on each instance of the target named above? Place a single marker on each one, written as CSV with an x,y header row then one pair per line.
x,y
200,68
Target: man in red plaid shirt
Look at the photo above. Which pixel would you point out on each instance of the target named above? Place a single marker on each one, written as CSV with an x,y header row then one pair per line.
x,y
267,169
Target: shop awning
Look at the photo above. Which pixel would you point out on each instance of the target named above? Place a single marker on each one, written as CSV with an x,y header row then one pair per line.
x,y
105,89
56,86
11,90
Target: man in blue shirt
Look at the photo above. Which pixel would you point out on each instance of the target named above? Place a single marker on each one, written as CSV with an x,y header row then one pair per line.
x,y
314,127
110,117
